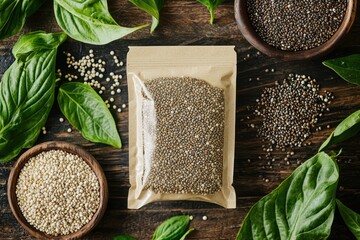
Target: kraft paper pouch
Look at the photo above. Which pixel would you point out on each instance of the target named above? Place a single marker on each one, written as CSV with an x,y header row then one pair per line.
x,y
181,124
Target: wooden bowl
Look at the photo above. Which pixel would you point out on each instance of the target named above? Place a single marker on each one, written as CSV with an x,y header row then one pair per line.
x,y
70,148
254,39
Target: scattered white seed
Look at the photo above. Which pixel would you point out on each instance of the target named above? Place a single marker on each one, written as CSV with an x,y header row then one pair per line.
x,y
204,218
191,218
123,106
112,100
112,52
61,119
69,130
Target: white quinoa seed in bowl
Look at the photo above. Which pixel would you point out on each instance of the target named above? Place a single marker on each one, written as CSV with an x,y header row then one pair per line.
x,y
57,190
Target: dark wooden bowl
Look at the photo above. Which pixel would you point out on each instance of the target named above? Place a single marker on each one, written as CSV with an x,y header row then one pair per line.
x,y
67,147
254,39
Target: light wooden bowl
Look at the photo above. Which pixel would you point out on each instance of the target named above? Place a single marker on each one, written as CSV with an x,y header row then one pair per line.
x,y
254,39
67,147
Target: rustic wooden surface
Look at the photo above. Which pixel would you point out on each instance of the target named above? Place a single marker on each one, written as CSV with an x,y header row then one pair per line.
x,y
185,22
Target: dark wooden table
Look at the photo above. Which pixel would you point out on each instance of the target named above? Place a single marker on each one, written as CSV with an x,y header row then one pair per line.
x,y
185,22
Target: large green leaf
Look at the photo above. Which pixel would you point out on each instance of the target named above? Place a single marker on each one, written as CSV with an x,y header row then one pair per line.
x,y
302,207
89,21
351,218
87,112
348,128
13,14
211,6
346,67
27,95
152,7
32,42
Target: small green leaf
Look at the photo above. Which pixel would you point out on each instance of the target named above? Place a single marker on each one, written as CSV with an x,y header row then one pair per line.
x,y
172,229
301,207
14,13
152,7
348,128
124,237
346,67
211,6
351,219
89,21
87,112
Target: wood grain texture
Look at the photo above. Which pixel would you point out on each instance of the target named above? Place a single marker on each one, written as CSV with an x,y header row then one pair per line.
x,y
186,22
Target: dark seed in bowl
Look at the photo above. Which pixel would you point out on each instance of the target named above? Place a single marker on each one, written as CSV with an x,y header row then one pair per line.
x,y
296,25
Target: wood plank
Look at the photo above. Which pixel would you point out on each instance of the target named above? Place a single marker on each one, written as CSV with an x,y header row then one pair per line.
x,y
185,22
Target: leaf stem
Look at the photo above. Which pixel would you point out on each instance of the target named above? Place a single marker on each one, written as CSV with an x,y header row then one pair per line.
x,y
212,15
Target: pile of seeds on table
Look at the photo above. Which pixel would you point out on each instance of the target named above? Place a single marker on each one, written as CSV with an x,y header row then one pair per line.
x,y
189,130
92,71
57,192
294,25
289,112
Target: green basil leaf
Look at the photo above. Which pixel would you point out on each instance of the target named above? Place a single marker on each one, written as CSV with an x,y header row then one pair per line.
x,y
172,229
211,6
89,21
346,67
351,218
14,13
348,128
26,95
87,112
35,41
152,7
301,207
124,237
